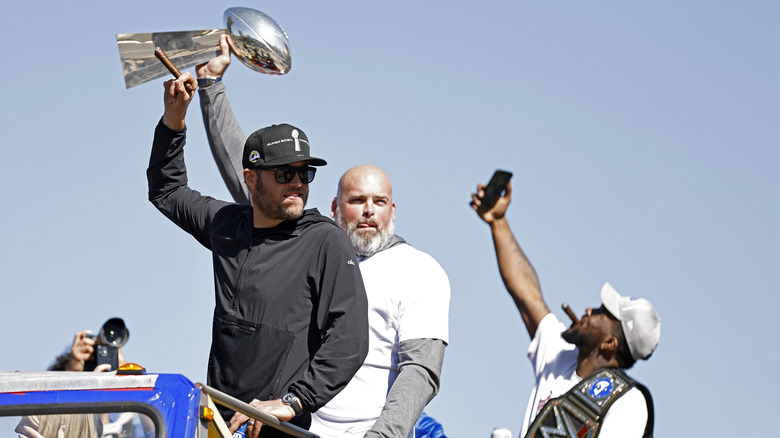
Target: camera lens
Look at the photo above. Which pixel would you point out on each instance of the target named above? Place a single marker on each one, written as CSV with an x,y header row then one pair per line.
x,y
113,336
114,332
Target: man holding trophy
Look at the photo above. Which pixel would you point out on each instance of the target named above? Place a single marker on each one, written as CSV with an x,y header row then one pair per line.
x,y
268,175
290,326
408,291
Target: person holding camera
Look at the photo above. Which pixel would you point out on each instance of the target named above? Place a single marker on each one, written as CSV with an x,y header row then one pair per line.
x,y
101,352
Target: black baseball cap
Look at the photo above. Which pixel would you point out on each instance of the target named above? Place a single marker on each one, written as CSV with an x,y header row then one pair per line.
x,y
277,145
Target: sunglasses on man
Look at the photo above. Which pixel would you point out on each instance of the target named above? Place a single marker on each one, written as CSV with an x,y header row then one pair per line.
x,y
285,174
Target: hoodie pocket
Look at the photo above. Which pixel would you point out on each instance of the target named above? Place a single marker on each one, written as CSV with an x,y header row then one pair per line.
x,y
247,359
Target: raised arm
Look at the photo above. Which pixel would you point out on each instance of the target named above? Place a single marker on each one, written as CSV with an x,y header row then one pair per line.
x,y
177,99
167,173
226,139
516,271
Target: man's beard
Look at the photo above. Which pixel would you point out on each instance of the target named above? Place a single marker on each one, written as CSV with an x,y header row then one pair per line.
x,y
272,206
574,336
585,341
367,243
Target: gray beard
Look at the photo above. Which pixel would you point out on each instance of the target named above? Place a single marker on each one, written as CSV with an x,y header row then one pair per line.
x,y
366,244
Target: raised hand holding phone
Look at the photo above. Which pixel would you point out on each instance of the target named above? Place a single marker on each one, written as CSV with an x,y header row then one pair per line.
x,y
494,189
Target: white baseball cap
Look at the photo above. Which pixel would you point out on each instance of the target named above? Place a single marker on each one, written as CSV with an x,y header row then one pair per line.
x,y
641,323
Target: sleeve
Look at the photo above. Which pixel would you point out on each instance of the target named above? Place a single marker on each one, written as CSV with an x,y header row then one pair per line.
x,y
424,308
418,381
168,191
226,139
342,315
547,344
626,418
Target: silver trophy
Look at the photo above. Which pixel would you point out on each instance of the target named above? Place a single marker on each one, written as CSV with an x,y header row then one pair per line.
x,y
257,41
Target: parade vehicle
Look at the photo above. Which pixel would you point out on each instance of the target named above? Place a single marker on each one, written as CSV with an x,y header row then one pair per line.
x,y
128,403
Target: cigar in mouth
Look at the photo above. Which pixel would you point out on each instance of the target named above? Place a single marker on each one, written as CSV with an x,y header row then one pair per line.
x,y
569,313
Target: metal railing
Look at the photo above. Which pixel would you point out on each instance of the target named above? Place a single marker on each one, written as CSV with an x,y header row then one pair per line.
x,y
267,419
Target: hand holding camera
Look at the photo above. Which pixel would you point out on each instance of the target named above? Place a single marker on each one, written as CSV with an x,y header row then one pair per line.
x,y
112,335
81,351
98,352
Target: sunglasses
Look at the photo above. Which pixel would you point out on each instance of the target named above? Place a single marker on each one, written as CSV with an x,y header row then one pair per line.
x,y
285,174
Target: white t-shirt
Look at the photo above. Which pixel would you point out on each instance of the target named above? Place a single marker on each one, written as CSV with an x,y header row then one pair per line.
x,y
408,298
555,365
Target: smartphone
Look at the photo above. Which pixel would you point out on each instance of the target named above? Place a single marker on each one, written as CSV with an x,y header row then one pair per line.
x,y
495,188
107,354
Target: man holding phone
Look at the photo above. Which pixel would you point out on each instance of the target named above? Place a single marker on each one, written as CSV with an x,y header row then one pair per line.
x,y
580,380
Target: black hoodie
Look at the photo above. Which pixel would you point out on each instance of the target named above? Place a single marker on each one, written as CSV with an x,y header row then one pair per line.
x,y
291,310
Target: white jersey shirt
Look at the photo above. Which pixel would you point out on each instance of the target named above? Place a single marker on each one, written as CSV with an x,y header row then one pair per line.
x,y
408,298
555,365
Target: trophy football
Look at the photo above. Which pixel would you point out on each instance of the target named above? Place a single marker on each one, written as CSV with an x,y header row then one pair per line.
x,y
257,41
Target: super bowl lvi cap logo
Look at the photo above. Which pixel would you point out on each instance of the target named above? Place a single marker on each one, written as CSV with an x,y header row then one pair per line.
x,y
254,156
297,142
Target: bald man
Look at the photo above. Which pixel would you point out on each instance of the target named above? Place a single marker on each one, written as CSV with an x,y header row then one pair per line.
x,y
408,291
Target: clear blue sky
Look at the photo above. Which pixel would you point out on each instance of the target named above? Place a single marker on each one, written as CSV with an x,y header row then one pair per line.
x,y
643,137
